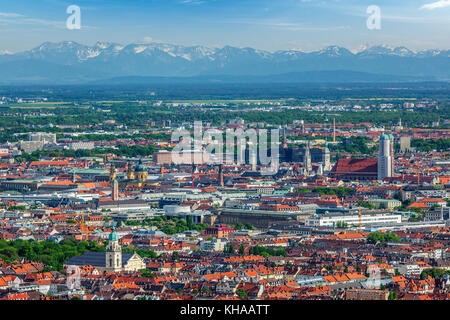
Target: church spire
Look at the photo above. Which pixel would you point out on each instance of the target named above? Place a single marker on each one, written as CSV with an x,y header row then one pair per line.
x,y
307,159
113,253
285,145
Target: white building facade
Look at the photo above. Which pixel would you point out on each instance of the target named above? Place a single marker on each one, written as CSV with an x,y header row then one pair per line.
x,y
386,156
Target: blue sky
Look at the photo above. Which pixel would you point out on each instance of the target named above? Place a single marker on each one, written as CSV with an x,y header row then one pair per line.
x,y
270,25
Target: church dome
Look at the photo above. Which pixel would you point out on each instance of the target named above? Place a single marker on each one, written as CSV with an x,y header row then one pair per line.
x,y
140,167
113,235
386,136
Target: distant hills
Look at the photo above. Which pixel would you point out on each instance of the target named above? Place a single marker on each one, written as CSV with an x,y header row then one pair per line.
x,y
103,63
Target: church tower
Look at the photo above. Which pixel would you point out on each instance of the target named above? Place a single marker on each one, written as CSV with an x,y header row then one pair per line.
x,y
285,145
140,172
326,158
130,172
115,190
307,165
112,173
113,253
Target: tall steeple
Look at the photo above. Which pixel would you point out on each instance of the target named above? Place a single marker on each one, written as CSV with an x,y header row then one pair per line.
x,y
285,145
112,173
113,253
326,158
130,171
307,160
115,190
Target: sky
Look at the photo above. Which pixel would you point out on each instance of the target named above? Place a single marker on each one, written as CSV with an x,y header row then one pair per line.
x,y
273,25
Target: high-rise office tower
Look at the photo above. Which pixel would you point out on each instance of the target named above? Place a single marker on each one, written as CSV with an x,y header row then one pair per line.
x,y
386,156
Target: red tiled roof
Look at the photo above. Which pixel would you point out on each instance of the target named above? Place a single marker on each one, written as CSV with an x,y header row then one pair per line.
x,y
356,166
50,163
418,205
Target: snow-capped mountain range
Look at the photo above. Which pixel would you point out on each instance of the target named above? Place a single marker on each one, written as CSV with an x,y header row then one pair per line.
x,y
72,62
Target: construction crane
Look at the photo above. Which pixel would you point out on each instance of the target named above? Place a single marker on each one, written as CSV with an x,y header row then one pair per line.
x,y
360,212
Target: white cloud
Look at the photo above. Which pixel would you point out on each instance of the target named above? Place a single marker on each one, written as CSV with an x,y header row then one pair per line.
x,y
10,15
192,2
436,5
7,18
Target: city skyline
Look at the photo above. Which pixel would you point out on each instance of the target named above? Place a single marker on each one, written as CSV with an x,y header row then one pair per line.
x,y
221,157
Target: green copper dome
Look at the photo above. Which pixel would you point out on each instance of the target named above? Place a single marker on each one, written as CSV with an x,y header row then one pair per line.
x,y
139,167
387,137
113,235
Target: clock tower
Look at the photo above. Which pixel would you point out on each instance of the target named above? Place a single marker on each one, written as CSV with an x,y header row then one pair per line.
x,y
113,253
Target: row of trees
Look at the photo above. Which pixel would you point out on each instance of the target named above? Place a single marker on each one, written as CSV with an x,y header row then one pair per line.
x,y
51,254
366,205
171,226
354,145
240,226
340,192
132,114
111,137
375,237
434,273
268,251
427,145
141,252
125,151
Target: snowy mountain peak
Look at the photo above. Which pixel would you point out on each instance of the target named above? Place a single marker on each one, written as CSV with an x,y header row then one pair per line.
x,y
334,51
106,59
404,52
196,53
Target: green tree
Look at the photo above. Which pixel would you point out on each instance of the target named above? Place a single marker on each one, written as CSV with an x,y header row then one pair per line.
x,y
175,255
146,273
375,237
241,293
435,273
229,248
